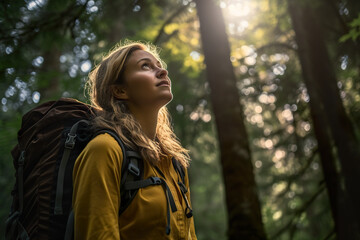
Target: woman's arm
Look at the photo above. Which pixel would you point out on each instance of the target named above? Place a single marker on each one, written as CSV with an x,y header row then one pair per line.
x,y
96,196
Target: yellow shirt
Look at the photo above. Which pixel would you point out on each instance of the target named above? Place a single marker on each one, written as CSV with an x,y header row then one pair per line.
x,y
96,199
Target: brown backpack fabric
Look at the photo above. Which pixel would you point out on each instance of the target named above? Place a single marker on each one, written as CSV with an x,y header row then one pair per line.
x,y
41,142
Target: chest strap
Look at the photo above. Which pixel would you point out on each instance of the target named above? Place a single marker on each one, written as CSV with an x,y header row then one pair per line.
x,y
155,181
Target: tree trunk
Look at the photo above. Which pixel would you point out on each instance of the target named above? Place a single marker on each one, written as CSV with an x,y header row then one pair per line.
x,y
50,70
330,121
243,207
343,218
114,12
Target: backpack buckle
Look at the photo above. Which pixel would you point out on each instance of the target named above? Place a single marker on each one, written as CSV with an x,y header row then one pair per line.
x,y
134,169
156,180
70,141
21,158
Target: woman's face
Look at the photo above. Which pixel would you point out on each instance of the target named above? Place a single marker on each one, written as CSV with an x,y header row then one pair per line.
x,y
146,83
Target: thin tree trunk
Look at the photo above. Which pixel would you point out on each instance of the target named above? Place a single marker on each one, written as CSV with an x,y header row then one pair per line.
x,y
114,12
337,196
243,207
50,69
330,121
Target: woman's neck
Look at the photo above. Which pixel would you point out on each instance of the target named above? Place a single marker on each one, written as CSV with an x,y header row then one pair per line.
x,y
147,121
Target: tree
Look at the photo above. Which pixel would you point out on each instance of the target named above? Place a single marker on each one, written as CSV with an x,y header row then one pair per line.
x,y
243,207
330,120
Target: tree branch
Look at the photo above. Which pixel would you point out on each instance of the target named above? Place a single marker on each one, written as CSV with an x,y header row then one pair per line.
x,y
298,212
48,21
168,21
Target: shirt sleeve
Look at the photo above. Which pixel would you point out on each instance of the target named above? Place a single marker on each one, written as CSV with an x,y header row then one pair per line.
x,y
96,194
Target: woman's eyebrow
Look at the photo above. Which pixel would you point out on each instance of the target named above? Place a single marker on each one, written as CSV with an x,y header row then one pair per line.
x,y
148,59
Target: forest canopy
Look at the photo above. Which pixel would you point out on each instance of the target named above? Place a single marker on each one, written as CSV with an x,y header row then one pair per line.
x,y
293,67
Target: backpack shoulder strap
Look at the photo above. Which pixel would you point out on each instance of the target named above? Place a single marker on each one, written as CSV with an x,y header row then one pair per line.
x,y
69,144
180,169
131,170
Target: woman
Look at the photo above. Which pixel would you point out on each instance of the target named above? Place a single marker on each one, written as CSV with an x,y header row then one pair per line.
x,y
131,89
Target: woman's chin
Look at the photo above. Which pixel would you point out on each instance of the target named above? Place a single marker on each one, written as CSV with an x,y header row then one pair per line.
x,y
167,98
158,102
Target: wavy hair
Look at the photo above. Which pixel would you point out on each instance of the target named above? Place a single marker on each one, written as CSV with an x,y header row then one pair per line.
x,y
114,114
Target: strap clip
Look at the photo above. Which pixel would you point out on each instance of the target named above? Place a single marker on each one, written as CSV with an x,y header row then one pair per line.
x,y
70,141
156,180
21,158
134,169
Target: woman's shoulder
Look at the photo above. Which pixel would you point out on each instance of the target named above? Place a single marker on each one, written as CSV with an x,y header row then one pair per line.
x,y
103,140
102,157
104,144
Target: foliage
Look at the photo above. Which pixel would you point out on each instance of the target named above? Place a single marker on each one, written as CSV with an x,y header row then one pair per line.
x,y
354,32
48,47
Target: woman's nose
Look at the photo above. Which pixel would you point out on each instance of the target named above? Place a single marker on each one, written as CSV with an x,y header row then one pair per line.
x,y
161,73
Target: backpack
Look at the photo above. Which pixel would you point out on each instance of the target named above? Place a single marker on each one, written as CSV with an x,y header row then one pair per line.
x,y
51,137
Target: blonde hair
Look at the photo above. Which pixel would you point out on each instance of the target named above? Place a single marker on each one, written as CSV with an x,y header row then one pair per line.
x,y
114,113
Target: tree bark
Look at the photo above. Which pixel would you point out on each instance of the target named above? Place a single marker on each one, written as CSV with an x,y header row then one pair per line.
x,y
243,206
114,12
51,74
331,122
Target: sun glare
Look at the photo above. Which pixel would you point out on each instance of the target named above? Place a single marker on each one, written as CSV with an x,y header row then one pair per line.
x,y
236,8
239,10
237,13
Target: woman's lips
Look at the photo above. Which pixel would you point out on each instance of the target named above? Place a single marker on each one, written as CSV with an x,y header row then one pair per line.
x,y
163,83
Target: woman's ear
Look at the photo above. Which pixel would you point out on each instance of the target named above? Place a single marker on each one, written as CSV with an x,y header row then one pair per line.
x,y
119,92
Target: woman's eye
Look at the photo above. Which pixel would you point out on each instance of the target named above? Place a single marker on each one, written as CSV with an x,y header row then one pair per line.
x,y
145,66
